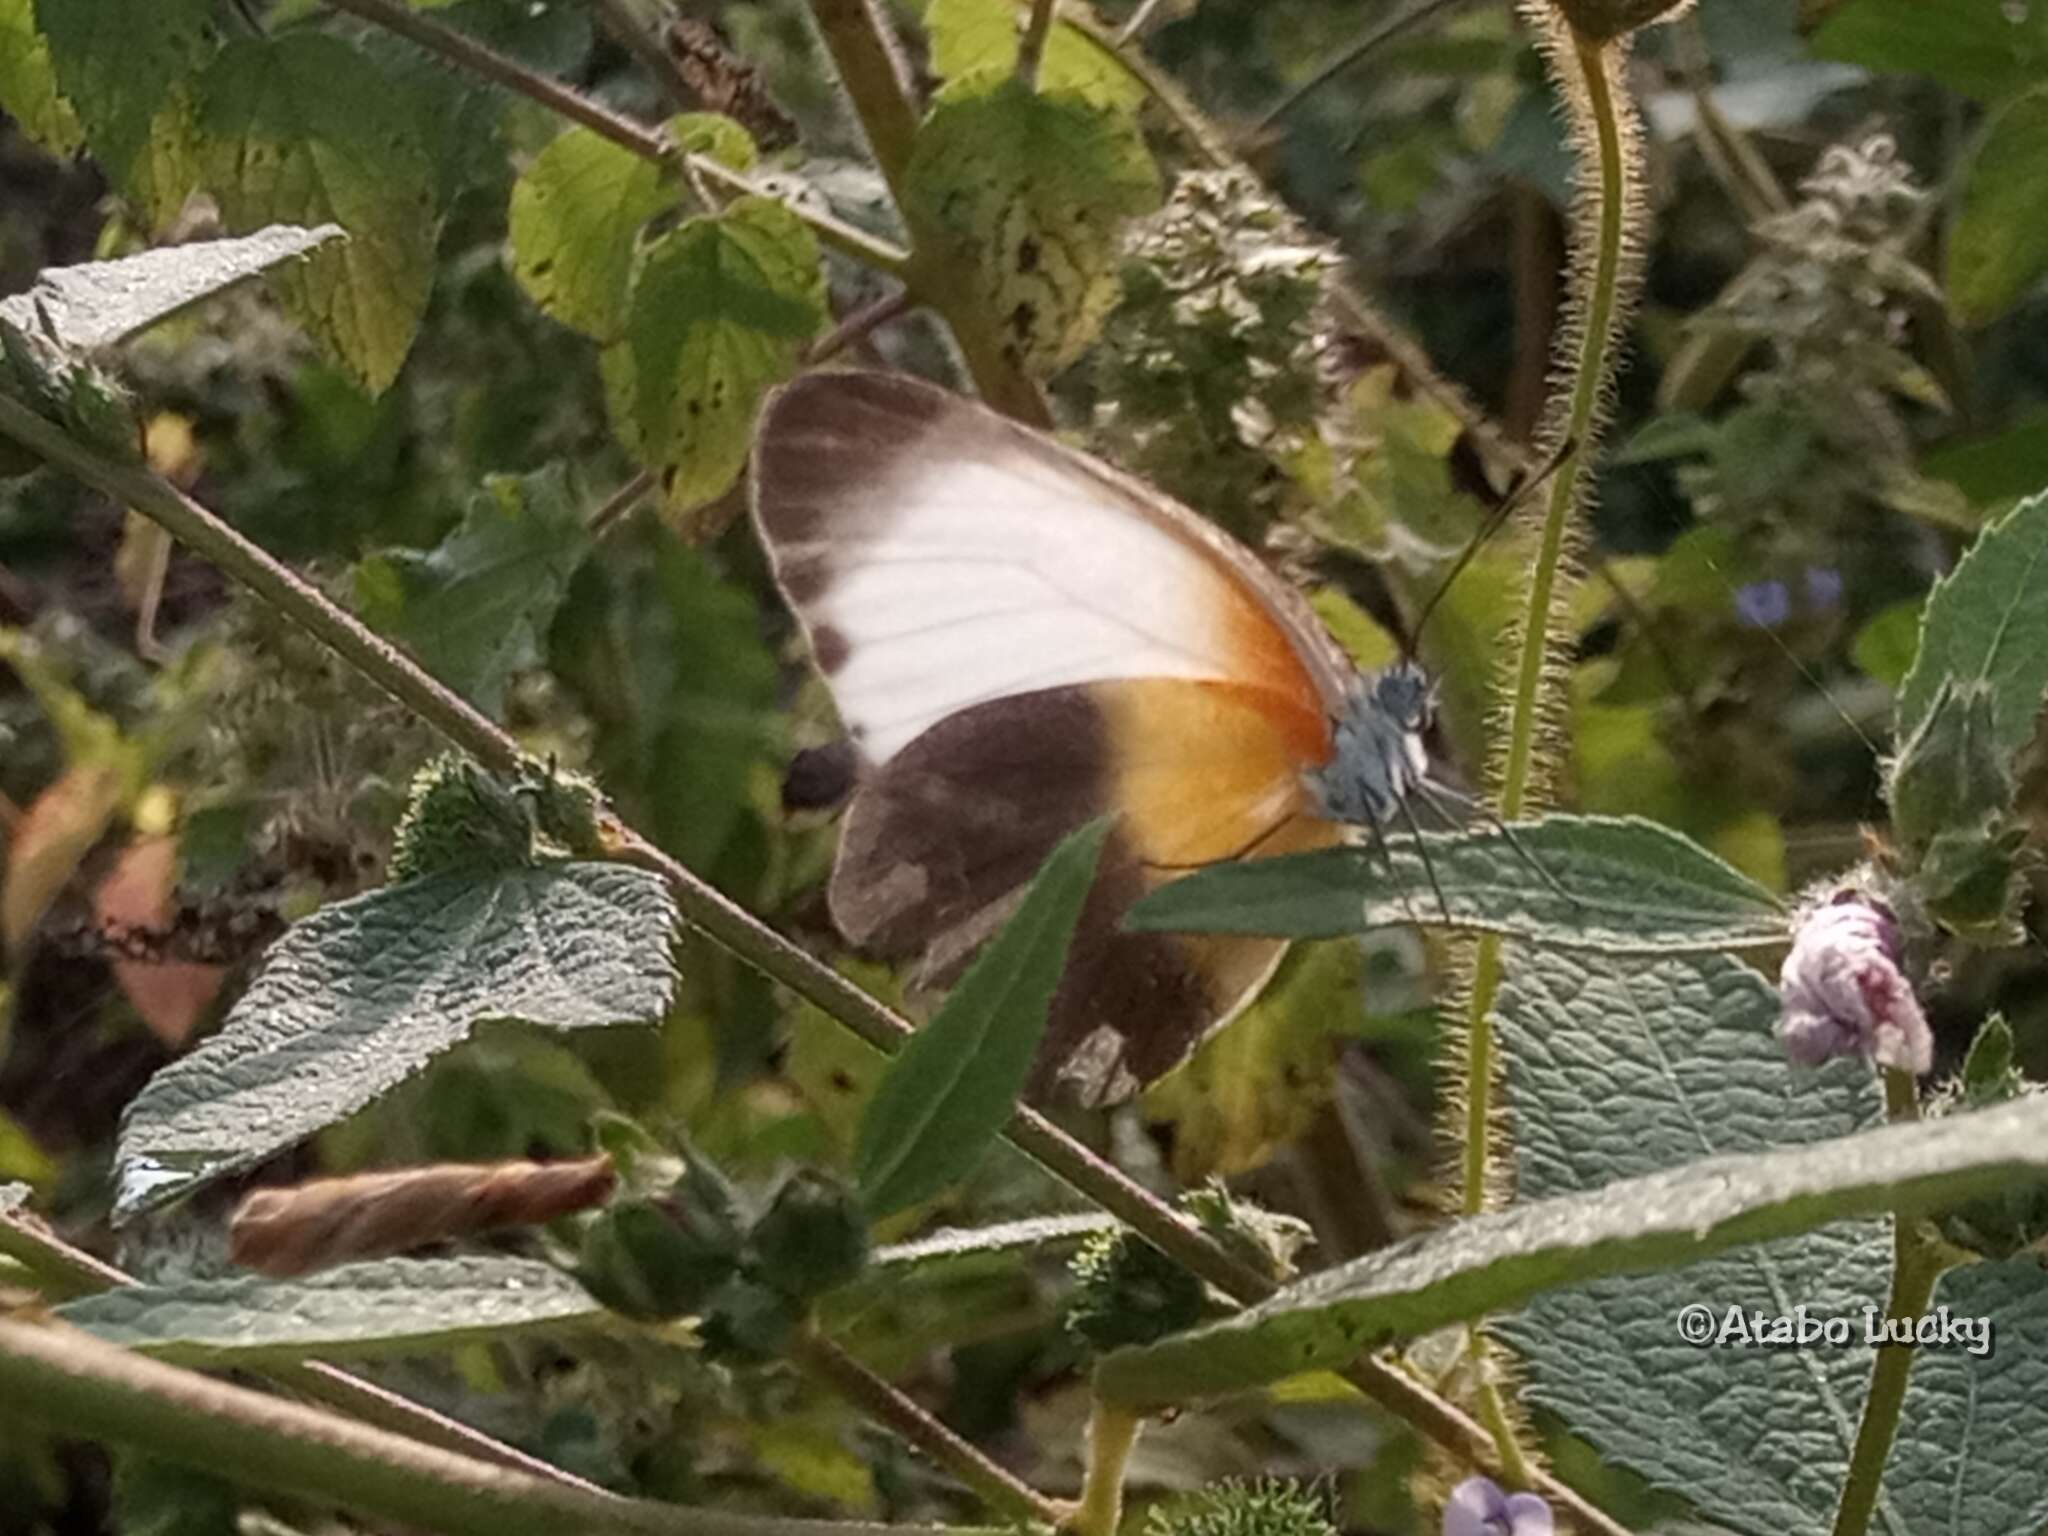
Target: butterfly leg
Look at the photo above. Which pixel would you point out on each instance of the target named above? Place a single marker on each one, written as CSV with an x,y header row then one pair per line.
x,y
1379,842
1433,796
1421,848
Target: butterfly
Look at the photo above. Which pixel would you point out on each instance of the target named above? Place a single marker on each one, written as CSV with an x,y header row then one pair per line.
x,y
1019,639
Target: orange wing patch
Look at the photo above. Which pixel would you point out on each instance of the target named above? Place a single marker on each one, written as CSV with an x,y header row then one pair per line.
x,y
1208,771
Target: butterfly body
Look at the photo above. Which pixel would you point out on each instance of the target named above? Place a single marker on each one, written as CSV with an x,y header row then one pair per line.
x,y
1377,757
1020,639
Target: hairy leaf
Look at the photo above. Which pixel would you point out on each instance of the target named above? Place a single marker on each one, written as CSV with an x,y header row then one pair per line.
x,y
1985,622
1998,245
1635,1068
391,1306
575,217
949,1092
1657,1221
475,607
1617,884
102,302
116,62
28,82
721,310
303,129
1026,191
363,993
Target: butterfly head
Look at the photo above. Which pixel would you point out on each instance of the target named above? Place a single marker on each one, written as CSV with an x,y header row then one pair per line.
x,y
1378,754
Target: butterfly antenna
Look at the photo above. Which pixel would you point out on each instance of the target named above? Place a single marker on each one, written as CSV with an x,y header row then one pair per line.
x,y
1430,792
1805,671
1502,511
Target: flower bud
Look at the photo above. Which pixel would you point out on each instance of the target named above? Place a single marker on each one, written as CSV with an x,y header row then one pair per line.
x,y
1604,20
1477,1507
1844,994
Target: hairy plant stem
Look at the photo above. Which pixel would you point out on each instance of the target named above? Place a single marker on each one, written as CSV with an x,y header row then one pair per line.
x,y
1112,1436
1916,1267
1003,1491
1586,72
731,926
64,1379
1598,307
62,1272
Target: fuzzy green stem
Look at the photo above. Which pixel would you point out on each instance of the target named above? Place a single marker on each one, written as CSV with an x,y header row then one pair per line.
x,y
1600,304
1916,1266
1112,1435
69,1382
880,1401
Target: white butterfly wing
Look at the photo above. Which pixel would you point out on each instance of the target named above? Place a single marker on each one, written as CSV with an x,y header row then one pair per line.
x,y
939,556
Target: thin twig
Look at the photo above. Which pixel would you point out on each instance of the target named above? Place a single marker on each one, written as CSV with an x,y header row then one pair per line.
x,y
1031,50
619,20
63,1272
67,1380
858,325
1141,18
884,1404
613,510
1393,28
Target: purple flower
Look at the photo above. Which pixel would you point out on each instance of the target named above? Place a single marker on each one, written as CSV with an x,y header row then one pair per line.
x,y
1823,586
1477,1507
1763,604
1844,994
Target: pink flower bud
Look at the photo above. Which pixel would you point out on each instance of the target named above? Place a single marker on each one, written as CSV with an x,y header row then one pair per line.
x,y
1844,994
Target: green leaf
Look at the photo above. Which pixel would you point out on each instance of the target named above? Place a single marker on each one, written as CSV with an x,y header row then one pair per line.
x,y
1982,48
575,216
390,1307
721,309
1985,622
28,83
117,61
968,36
950,1090
102,302
1884,648
475,607
1622,885
669,659
303,129
1659,1221
1950,771
1635,1070
362,994
1998,245
1024,193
